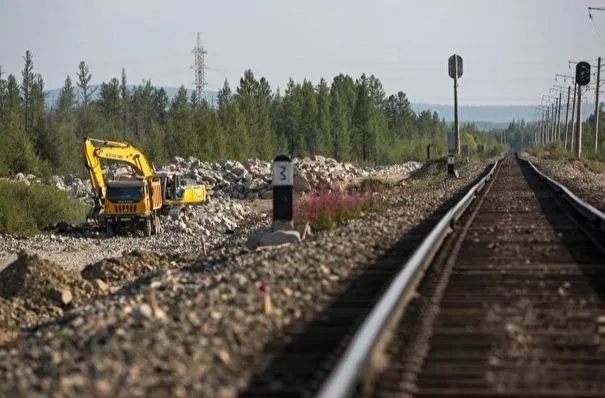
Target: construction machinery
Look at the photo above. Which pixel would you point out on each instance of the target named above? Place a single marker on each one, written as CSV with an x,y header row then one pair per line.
x,y
139,201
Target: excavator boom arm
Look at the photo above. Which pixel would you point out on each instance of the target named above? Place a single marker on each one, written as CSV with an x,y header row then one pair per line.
x,y
112,150
93,165
129,155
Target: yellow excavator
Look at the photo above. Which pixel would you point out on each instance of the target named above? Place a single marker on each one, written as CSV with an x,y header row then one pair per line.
x,y
138,202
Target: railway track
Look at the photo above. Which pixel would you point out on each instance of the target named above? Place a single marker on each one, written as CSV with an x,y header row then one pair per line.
x,y
509,302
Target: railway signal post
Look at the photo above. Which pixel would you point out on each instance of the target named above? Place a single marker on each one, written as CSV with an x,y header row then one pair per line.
x,y
283,197
455,72
582,79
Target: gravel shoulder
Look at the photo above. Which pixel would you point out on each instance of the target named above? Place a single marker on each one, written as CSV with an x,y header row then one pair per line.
x,y
73,250
587,184
201,329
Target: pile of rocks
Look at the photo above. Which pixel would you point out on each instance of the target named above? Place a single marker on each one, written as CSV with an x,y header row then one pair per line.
x,y
216,216
76,246
232,179
405,168
252,179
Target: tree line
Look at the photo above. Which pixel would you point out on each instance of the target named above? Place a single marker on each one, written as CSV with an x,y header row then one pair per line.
x,y
348,119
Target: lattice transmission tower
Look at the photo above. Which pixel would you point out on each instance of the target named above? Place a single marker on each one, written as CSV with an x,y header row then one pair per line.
x,y
200,70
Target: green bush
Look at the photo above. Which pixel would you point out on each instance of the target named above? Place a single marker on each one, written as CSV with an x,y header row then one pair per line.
x,y
26,209
554,150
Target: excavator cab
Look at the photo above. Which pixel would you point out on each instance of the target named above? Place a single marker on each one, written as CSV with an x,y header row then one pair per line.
x,y
172,187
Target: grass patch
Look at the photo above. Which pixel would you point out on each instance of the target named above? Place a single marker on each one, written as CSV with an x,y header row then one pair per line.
x,y
329,209
26,209
554,151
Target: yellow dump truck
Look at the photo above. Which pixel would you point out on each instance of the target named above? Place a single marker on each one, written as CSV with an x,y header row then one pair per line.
x,y
136,202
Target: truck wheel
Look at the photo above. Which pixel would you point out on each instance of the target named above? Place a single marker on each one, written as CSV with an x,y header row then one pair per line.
x,y
147,228
109,230
154,225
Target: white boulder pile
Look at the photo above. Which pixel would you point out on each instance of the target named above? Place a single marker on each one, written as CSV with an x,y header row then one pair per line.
x,y
227,178
252,179
215,216
232,179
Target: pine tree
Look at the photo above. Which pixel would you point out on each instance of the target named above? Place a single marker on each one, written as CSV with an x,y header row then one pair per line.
x,y
160,105
13,100
224,95
308,117
124,108
362,124
180,138
3,95
340,142
265,142
291,118
26,90
323,117
109,100
84,78
38,110
67,100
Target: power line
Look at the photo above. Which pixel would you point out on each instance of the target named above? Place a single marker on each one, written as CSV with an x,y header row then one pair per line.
x,y
593,23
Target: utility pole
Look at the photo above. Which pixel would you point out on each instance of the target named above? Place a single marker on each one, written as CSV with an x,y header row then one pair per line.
x,y
578,147
573,117
547,126
544,124
559,118
541,129
596,108
554,121
567,115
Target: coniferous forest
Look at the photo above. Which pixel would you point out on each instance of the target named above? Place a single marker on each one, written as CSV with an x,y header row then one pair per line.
x,y
349,119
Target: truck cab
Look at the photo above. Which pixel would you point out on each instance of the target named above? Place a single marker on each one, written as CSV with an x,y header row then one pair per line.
x,y
130,203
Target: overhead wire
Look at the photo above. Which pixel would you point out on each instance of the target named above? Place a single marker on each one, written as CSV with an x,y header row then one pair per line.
x,y
590,16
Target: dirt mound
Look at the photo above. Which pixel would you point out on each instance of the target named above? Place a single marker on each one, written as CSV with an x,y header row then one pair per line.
x,y
42,284
429,168
129,266
369,184
13,314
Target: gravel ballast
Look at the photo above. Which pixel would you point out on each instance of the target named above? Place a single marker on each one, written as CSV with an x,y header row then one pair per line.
x,y
585,183
214,221
201,329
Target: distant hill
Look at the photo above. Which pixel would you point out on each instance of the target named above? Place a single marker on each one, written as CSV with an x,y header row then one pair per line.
x,y
486,117
491,114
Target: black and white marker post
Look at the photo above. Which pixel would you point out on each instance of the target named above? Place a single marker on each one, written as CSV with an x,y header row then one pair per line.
x,y
451,149
283,198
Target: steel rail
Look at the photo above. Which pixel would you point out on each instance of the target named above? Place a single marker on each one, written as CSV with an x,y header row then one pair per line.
x,y
589,212
349,369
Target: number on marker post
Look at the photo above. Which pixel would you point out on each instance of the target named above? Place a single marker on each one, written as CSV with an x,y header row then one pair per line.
x,y
283,174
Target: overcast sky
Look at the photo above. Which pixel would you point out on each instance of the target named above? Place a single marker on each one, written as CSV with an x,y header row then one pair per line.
x,y
511,48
